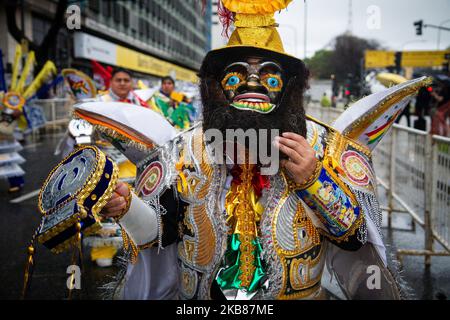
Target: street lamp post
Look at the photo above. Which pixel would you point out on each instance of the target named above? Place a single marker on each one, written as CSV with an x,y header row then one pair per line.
x,y
439,33
294,30
306,25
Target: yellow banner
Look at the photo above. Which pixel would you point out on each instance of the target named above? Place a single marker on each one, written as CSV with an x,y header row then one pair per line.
x,y
379,59
137,61
424,58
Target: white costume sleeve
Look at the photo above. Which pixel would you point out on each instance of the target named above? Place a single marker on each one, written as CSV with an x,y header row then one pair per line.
x,y
140,222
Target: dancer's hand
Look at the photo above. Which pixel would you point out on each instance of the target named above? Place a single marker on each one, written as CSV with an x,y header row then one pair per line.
x,y
117,204
302,157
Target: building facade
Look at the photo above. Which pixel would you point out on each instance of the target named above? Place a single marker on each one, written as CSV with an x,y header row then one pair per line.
x,y
162,36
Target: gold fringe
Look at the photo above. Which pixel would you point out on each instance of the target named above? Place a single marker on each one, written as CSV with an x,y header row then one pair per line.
x,y
116,135
358,127
130,246
28,271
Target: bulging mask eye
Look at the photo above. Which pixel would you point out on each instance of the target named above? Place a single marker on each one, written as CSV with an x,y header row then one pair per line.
x,y
232,80
272,82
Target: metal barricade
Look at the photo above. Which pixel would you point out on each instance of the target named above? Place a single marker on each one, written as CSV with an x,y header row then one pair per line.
x,y
57,111
440,191
414,168
326,115
407,171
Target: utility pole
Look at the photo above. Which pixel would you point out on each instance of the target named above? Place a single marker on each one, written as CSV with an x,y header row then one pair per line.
x,y
306,27
350,17
439,33
294,30
420,25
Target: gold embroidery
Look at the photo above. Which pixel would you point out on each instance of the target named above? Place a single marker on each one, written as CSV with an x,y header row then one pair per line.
x,y
358,127
243,215
205,235
300,272
189,248
194,187
306,293
304,222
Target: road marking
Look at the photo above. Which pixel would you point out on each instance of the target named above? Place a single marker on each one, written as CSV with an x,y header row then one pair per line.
x,y
33,145
27,196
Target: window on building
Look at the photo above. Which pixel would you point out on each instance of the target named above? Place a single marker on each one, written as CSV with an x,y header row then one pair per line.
x,y
141,26
157,11
151,34
107,8
147,29
94,5
116,12
125,17
152,6
58,52
40,28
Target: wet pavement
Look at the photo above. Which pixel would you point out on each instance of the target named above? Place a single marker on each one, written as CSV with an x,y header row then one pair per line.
x,y
19,220
18,223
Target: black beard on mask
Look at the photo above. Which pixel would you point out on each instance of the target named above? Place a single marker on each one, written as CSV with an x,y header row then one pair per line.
x,y
288,116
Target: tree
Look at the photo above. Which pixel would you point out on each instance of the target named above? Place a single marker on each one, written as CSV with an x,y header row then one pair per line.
x,y
348,55
43,49
320,64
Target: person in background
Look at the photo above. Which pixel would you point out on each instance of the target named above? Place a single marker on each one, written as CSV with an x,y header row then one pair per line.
x,y
175,106
121,89
423,100
405,113
168,90
334,91
439,120
325,102
167,87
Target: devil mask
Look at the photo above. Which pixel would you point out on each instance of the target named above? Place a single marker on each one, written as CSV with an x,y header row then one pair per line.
x,y
248,92
253,85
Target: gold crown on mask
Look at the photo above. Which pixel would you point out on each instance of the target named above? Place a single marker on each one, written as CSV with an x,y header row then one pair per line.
x,y
255,31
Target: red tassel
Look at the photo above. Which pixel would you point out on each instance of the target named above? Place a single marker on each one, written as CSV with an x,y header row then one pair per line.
x,y
203,6
259,181
236,172
226,18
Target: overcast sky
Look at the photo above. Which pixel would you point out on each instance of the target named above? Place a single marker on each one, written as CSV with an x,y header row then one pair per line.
x,y
395,30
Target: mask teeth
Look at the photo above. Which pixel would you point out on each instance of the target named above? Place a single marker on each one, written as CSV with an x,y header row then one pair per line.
x,y
258,106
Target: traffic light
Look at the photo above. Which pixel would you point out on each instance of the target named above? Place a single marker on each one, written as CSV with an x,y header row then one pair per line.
x,y
398,62
347,91
446,67
446,64
419,27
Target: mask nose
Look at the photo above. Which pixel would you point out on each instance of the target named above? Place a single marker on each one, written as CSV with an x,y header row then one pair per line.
x,y
253,85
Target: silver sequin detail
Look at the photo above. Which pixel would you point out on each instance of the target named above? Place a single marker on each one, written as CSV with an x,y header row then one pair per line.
x,y
285,221
160,211
269,255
